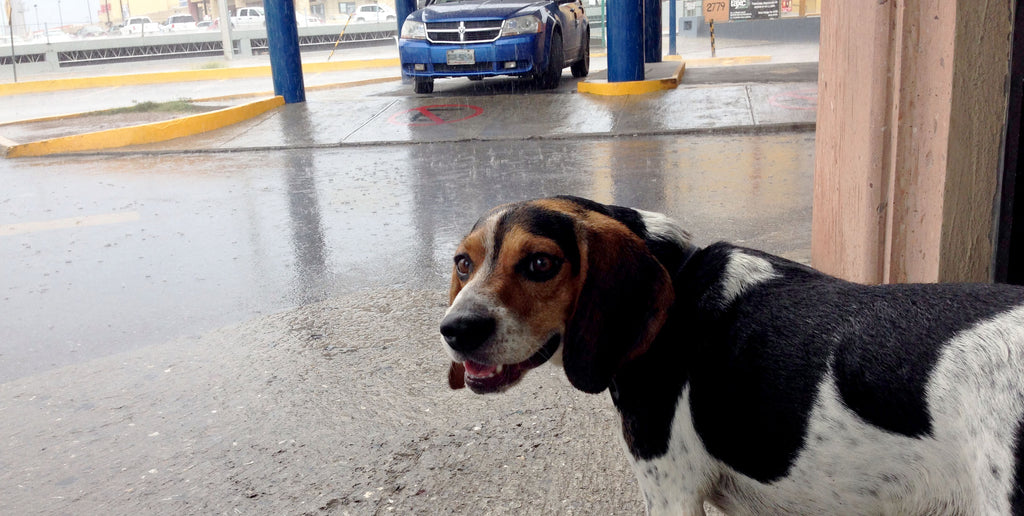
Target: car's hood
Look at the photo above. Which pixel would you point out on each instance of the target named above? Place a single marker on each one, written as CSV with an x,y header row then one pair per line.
x,y
475,9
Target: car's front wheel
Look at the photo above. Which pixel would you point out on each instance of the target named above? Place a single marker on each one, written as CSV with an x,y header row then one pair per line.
x,y
582,67
423,85
548,80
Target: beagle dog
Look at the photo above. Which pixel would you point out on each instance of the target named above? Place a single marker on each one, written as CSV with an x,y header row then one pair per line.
x,y
745,380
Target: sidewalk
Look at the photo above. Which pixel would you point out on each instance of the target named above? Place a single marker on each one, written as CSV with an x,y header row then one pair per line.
x,y
354,105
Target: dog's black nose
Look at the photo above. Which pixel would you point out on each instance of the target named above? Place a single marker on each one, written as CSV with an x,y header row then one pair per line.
x,y
466,332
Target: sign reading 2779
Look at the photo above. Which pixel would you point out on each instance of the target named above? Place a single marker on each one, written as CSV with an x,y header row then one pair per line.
x,y
736,10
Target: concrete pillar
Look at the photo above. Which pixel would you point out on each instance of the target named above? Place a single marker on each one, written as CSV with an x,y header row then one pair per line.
x,y
225,30
51,58
244,46
910,115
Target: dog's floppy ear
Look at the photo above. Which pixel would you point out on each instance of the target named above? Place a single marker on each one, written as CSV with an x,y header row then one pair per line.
x,y
621,307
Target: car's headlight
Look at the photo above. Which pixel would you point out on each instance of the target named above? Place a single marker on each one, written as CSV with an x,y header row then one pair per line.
x,y
414,30
520,25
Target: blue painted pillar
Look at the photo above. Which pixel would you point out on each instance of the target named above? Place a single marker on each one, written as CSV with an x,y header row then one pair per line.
x,y
625,40
652,31
671,27
283,43
403,8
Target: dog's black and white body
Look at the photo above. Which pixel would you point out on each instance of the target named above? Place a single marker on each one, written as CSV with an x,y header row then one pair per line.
x,y
744,379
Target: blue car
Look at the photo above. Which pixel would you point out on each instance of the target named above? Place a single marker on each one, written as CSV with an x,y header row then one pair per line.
x,y
488,38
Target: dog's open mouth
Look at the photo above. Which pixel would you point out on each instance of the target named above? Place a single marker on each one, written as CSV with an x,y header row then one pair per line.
x,y
481,378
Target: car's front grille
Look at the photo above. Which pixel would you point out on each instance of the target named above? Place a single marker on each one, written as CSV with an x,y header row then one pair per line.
x,y
478,31
478,67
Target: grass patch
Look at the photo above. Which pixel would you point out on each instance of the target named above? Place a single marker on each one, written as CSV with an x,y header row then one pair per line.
x,y
174,106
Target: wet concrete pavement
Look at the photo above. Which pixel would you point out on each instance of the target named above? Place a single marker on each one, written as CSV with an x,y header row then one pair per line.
x,y
335,408
253,329
212,239
493,110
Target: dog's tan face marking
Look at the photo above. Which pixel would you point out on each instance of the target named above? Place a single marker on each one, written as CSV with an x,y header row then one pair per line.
x,y
517,282
543,305
526,282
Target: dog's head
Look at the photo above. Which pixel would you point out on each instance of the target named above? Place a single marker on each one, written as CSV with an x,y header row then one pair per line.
x,y
558,278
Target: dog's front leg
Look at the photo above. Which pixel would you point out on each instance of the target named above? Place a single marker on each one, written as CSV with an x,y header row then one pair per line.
x,y
668,499
692,507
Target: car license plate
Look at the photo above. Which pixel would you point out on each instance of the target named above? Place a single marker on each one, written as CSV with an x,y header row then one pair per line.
x,y
462,56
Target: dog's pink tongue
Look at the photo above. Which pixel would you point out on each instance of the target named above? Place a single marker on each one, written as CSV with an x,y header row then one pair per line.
x,y
479,370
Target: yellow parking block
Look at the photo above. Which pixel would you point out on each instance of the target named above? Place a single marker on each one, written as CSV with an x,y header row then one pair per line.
x,y
603,87
144,133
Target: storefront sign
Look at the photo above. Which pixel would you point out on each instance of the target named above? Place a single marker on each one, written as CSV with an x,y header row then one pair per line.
x,y
738,10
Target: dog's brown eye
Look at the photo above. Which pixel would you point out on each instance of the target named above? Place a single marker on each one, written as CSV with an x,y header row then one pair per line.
x,y
540,267
463,266
540,264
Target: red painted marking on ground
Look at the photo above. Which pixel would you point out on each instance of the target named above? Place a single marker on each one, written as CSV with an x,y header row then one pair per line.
x,y
802,100
436,114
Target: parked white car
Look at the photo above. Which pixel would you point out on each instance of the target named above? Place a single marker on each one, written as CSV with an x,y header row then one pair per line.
x,y
179,23
306,20
52,36
139,25
374,13
249,17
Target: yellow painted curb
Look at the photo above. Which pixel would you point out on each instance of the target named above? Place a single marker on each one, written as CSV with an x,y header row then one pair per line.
x,y
145,133
215,74
222,98
722,61
349,65
602,87
6,143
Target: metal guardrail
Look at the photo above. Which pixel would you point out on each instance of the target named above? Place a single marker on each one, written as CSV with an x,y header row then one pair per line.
x,y
327,40
23,58
166,46
134,53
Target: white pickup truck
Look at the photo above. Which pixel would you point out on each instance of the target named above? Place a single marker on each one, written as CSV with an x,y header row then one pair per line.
x,y
249,17
373,13
140,25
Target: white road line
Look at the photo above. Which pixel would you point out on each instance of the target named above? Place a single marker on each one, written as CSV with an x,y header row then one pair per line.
x,y
73,222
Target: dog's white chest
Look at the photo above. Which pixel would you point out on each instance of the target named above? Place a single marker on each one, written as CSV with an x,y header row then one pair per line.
x,y
674,481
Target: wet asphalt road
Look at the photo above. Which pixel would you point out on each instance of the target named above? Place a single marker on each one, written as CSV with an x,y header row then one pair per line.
x,y
214,239
255,332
